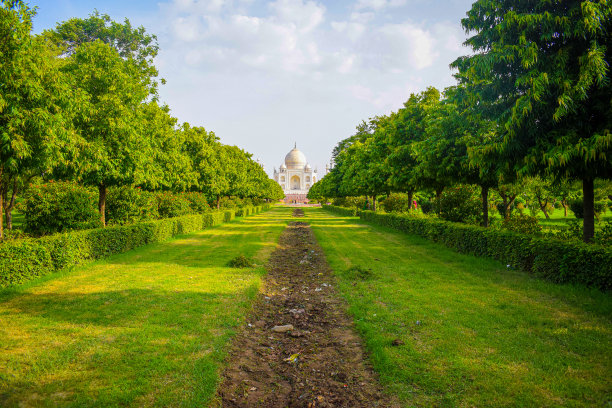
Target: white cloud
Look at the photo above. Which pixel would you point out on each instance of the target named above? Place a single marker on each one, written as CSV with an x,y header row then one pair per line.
x,y
378,4
265,74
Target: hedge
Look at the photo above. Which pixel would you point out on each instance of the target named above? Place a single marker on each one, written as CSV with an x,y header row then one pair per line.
x,y
553,260
344,211
24,259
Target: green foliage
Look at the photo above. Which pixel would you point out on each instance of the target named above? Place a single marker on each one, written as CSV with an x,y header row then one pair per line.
x,y
197,201
459,204
359,272
396,202
173,205
126,205
59,206
524,224
241,261
344,211
551,259
427,206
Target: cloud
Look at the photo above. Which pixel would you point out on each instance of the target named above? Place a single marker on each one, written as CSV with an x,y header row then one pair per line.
x,y
378,4
263,74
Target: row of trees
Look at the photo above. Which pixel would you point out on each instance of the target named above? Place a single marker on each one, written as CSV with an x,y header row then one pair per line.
x,y
80,102
533,100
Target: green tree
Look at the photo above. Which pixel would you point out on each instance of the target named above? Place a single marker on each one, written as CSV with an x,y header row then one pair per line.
x,y
543,68
114,151
35,105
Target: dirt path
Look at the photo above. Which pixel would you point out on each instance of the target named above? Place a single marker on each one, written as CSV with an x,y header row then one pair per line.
x,y
318,363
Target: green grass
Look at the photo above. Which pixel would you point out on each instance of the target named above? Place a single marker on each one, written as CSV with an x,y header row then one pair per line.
x,y
475,333
146,328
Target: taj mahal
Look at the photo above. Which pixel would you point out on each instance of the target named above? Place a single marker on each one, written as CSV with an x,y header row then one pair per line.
x,y
295,176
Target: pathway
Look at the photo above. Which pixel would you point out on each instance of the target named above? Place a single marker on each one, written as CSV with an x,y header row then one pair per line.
x,y
299,348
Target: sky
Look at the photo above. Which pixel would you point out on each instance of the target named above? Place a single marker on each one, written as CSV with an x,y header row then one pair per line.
x,y
264,74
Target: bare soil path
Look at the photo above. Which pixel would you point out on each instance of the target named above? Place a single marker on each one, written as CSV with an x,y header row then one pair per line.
x,y
320,361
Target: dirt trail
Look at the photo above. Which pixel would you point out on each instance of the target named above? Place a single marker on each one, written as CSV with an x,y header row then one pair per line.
x,y
320,362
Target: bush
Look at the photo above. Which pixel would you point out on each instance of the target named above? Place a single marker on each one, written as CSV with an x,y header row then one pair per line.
x,y
459,204
427,206
551,259
197,201
241,262
345,212
524,224
173,205
59,206
396,202
126,205
577,208
24,259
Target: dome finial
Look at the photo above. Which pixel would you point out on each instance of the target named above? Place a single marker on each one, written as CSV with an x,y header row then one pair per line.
x,y
295,145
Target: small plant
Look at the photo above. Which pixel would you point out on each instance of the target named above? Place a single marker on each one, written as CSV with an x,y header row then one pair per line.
x,y
359,272
241,261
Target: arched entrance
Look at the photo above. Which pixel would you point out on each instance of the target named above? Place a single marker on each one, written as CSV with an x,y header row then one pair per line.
x,y
295,183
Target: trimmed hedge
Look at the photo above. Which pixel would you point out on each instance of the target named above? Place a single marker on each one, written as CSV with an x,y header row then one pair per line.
x,y
344,211
24,259
554,260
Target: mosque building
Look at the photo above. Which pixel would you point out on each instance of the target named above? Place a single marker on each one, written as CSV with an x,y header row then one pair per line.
x,y
295,176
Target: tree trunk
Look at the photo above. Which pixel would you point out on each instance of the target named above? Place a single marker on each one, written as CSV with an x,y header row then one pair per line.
x,y
564,204
102,203
588,203
374,202
484,194
410,195
543,207
218,202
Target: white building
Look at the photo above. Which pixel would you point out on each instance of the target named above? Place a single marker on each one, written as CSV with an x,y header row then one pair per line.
x,y
295,176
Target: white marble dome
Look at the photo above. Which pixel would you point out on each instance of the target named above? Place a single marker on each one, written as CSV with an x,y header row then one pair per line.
x,y
295,159
308,167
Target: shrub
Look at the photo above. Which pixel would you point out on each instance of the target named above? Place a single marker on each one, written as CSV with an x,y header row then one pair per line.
x,y
427,206
172,205
459,204
59,206
241,262
500,208
551,259
227,203
197,201
396,202
126,205
345,212
576,207
524,224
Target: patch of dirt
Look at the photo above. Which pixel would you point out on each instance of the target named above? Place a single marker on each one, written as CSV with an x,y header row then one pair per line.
x,y
320,361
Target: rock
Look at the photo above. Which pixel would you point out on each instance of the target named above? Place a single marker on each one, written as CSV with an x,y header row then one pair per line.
x,y
282,329
397,342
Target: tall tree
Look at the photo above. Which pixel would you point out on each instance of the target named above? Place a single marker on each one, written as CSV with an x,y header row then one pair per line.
x,y
114,151
35,104
544,66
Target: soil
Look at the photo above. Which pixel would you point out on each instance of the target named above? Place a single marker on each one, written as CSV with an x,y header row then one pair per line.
x,y
320,362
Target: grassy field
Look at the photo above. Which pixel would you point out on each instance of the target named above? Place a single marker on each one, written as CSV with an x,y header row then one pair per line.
x,y
144,328
473,332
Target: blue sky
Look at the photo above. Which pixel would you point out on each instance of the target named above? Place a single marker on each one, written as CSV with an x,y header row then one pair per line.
x,y
265,74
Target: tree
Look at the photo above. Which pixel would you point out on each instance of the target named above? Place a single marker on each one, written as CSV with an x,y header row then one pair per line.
x,y
409,127
114,151
35,105
543,68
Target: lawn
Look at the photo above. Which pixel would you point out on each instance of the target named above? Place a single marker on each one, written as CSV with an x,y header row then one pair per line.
x,y
146,328
471,331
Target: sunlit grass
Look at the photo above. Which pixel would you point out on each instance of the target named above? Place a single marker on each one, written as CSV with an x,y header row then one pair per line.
x,y
475,333
145,328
